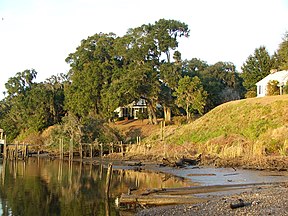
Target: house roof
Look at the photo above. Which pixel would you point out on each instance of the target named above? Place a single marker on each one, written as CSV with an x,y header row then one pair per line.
x,y
280,76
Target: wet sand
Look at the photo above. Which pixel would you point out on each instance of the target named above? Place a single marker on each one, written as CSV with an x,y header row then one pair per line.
x,y
260,192
272,200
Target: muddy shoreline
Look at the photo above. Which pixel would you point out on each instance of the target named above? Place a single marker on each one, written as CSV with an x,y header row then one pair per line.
x,y
259,199
256,201
270,199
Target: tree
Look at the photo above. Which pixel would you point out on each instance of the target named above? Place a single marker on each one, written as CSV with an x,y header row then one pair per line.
x,y
194,67
18,89
221,81
170,75
166,33
256,67
282,54
190,95
55,96
29,106
92,67
141,50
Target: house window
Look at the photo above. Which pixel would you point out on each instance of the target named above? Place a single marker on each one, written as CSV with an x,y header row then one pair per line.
x,y
259,90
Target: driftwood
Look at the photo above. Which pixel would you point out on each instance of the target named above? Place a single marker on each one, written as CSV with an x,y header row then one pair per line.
x,y
182,162
158,199
240,204
148,192
136,164
166,196
231,174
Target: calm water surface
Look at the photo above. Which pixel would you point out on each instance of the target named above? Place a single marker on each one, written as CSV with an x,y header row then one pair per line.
x,y
41,186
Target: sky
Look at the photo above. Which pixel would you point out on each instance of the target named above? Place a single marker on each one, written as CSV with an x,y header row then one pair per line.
x,y
40,34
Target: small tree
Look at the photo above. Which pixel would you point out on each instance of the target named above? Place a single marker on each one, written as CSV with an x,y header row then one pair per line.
x,y
256,67
273,88
190,95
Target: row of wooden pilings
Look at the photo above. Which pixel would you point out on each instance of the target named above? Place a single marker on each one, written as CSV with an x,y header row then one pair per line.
x,y
90,150
15,151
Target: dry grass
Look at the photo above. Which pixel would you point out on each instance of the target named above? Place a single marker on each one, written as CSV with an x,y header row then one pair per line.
x,y
248,131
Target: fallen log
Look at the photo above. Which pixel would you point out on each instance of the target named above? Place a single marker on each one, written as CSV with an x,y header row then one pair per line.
x,y
136,164
159,199
240,204
182,162
182,191
184,195
231,174
156,190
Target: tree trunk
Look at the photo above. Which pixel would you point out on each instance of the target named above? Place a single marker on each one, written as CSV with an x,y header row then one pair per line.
x,y
167,114
152,113
187,113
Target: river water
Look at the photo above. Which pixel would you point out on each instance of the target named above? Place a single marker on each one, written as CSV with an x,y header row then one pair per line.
x,y
41,186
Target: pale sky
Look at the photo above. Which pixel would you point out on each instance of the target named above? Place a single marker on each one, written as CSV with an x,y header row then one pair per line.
x,y
40,34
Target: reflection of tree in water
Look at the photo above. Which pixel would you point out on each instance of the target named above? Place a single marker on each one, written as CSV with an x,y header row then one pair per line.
x,y
52,187
26,195
144,180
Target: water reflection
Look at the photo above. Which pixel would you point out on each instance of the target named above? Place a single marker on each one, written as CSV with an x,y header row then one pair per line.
x,y
41,186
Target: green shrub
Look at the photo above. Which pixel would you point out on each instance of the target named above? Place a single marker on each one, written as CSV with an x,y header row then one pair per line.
x,y
273,88
179,120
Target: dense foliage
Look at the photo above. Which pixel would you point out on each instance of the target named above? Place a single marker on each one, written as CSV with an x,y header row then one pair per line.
x,y
107,71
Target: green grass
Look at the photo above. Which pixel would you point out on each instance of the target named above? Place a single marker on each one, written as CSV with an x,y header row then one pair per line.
x,y
256,125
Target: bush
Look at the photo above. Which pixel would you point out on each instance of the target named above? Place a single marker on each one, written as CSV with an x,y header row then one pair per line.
x,y
180,120
273,88
250,94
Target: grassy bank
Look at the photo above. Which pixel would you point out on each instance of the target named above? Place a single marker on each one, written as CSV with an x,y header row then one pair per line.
x,y
251,132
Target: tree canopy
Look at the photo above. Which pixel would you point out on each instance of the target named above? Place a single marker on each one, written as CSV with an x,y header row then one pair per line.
x,y
108,71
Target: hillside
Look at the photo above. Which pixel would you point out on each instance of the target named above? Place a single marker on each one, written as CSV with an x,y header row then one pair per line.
x,y
251,131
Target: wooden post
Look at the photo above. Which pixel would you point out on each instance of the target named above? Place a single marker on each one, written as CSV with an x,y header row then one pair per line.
x,y
26,151
60,148
22,151
108,179
71,148
81,151
5,148
16,151
101,150
162,130
91,151
38,152
164,125
122,148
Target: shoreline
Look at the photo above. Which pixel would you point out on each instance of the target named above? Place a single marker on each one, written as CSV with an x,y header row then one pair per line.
x,y
256,201
260,199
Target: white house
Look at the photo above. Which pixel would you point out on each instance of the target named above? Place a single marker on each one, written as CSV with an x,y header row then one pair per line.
x,y
280,76
132,110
